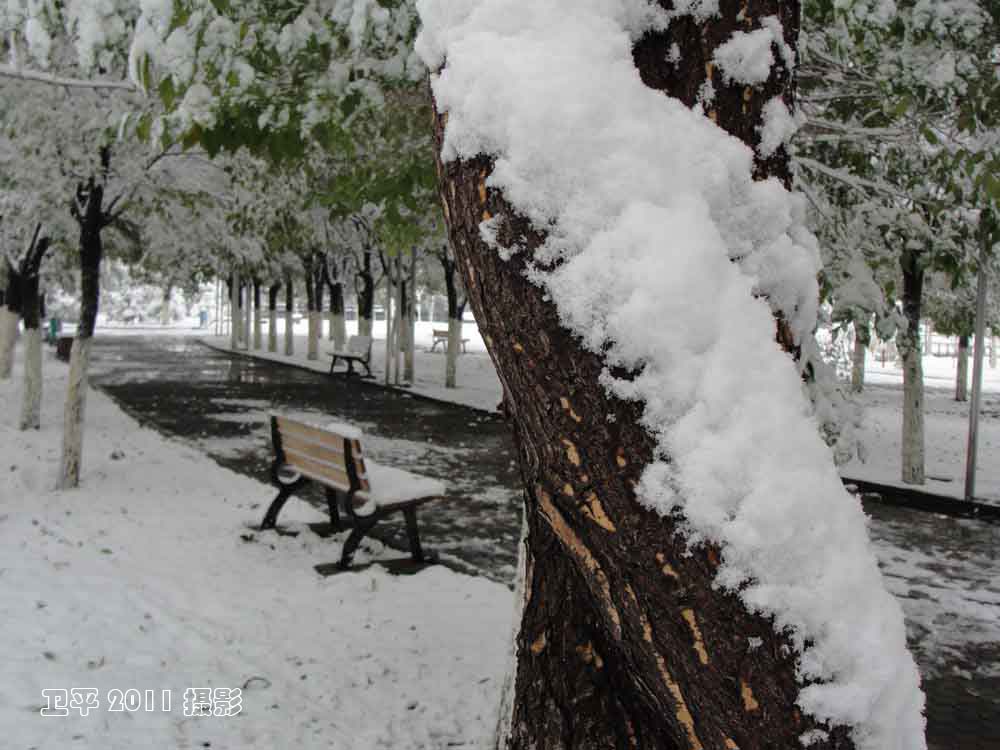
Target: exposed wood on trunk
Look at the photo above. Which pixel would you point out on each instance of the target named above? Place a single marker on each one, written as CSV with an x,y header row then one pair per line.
x,y
624,641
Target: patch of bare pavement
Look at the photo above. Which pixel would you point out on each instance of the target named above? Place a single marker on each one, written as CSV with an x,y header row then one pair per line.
x,y
944,570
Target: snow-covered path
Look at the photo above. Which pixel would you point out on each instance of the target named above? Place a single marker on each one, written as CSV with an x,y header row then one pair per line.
x,y
143,580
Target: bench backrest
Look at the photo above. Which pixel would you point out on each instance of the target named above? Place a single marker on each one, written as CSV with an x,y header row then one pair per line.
x,y
439,334
360,345
322,455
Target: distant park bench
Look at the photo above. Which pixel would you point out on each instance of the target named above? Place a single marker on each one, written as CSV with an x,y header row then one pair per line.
x,y
367,492
442,337
359,349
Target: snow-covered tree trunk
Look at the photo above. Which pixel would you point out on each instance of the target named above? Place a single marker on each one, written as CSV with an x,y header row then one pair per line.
x,y
626,640
858,356
257,322
289,318
451,353
911,352
272,317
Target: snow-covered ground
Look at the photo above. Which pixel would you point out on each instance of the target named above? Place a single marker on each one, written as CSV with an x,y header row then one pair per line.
x,y
144,579
946,425
477,381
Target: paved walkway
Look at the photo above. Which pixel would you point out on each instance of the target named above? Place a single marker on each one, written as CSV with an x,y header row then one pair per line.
x,y
946,571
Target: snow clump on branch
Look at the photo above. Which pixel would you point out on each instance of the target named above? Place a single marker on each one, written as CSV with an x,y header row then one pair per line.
x,y
641,228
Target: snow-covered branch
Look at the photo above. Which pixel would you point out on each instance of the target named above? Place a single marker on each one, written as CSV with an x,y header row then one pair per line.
x,y
37,76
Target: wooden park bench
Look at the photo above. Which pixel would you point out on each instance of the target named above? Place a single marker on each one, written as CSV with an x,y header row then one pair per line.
x,y
367,492
359,349
441,336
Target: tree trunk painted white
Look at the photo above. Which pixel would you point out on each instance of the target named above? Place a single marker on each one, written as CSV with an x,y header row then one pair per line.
x,y
272,330
76,402
31,403
451,358
315,332
247,318
289,333
388,328
858,359
338,329
257,332
8,339
913,415
332,321
962,376
365,327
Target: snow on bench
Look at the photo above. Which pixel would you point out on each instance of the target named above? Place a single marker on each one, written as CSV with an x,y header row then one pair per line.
x,y
367,491
359,349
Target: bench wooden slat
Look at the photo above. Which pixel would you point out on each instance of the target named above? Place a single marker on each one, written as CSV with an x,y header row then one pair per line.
x,y
291,428
313,450
319,470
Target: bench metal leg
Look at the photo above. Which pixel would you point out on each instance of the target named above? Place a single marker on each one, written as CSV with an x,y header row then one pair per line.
x,y
414,534
333,364
351,545
350,367
331,503
271,517
368,370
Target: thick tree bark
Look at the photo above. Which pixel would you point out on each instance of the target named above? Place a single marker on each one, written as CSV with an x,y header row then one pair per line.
x,y
92,221
624,640
962,376
272,317
289,318
862,338
908,342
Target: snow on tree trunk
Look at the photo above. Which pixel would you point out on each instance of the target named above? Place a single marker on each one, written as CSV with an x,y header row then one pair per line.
x,y
910,351
451,353
962,376
31,405
632,633
860,352
289,319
